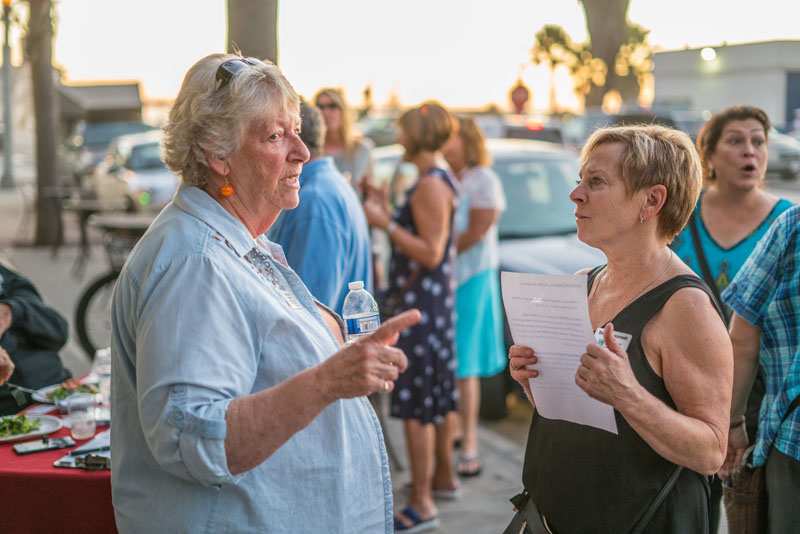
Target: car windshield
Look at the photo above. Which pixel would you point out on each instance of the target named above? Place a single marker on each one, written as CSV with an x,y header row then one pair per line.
x,y
102,133
537,196
145,156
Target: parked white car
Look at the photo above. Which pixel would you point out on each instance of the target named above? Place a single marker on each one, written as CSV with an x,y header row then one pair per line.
x,y
133,176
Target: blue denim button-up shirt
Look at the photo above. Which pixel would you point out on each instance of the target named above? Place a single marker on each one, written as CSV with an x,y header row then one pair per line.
x,y
196,323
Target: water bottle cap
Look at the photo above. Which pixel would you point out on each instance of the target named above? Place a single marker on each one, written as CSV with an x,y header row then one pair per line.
x,y
355,286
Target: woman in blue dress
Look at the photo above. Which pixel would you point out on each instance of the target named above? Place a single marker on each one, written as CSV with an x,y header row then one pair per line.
x,y
479,317
731,216
421,276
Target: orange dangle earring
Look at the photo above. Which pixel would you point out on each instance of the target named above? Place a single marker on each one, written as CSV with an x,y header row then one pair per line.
x,y
226,190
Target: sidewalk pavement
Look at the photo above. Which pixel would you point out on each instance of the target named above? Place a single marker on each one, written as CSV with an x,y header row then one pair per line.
x,y
484,506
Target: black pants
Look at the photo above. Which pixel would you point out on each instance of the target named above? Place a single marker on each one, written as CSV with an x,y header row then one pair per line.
x,y
783,493
714,504
9,405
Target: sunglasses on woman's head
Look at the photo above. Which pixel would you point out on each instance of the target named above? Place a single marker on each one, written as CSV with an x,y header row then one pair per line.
x,y
228,69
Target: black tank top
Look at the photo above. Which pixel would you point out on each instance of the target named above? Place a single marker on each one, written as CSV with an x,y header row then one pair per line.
x,y
586,480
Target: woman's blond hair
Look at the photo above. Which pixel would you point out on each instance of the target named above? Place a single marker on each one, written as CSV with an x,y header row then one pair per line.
x,y
655,155
345,132
210,118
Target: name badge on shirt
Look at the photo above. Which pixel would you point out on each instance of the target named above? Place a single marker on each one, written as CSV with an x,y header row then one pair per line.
x,y
622,338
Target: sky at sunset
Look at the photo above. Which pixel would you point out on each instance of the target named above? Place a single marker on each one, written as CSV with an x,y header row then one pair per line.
x,y
462,52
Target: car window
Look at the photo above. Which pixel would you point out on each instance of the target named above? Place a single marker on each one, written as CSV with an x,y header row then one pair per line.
x,y
145,156
537,196
103,132
383,170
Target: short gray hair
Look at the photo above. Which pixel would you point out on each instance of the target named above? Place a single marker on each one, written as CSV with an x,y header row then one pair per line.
x,y
205,118
312,128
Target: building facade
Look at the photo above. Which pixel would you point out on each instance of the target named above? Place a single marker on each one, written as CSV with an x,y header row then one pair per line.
x,y
763,74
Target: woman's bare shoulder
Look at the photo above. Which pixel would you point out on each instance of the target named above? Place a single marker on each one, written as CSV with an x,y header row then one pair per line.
x,y
690,309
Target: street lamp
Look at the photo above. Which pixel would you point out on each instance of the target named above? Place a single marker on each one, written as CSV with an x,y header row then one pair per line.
x,y
708,54
7,180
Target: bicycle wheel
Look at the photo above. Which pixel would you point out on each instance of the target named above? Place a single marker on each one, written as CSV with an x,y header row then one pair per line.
x,y
93,314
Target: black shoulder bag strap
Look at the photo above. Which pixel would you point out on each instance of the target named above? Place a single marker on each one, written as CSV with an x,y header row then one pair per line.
x,y
706,270
644,521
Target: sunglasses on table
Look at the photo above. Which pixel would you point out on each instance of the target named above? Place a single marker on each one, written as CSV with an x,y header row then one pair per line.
x,y
229,69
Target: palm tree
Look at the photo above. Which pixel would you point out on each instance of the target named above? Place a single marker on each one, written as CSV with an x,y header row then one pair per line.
x,y
552,45
39,51
253,28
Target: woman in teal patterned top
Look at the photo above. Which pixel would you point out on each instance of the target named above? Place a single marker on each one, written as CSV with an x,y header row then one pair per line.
x,y
734,211
732,214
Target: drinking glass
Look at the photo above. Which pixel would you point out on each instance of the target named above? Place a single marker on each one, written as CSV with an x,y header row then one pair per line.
x,y
81,410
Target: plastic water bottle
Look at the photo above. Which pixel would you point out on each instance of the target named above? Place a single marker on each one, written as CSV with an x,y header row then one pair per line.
x,y
360,311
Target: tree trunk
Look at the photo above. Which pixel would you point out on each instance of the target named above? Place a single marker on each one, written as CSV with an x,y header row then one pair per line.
x,y
40,48
253,28
607,23
629,89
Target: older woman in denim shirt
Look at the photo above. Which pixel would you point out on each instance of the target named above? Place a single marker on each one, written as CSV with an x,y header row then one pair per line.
x,y
236,409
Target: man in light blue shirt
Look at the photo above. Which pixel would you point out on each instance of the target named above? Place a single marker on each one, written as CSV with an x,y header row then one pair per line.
x,y
326,238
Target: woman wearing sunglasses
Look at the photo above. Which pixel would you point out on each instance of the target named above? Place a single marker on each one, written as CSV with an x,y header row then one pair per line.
x,y
352,154
235,405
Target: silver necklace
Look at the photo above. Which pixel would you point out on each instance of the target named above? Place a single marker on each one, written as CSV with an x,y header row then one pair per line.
x,y
636,295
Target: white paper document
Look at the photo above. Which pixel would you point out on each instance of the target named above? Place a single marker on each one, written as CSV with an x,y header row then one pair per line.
x,y
550,314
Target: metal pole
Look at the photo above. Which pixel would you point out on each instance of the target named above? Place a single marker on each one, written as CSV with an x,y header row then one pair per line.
x,y
7,181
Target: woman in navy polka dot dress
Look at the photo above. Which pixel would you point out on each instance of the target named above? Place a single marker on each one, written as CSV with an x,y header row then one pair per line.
x,y
421,276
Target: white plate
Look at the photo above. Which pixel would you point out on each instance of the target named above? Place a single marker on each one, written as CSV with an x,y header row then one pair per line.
x,y
42,395
47,425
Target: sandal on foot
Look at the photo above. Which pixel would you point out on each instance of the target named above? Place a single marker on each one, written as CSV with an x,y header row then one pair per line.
x,y
417,523
469,465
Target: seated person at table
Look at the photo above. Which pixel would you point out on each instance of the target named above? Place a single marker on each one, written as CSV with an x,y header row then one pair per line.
x,y
329,224
236,407
6,366
31,333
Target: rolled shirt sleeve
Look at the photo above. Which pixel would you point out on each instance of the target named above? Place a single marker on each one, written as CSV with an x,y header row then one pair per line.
x,y
194,355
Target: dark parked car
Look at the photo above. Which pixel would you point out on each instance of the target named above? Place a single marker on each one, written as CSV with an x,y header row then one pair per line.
x,y
382,130
532,128
784,156
578,129
537,231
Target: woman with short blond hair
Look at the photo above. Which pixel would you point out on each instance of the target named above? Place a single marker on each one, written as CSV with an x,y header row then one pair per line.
x,y
669,385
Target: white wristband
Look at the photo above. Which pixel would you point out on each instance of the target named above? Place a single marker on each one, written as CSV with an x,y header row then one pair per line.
x,y
391,227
